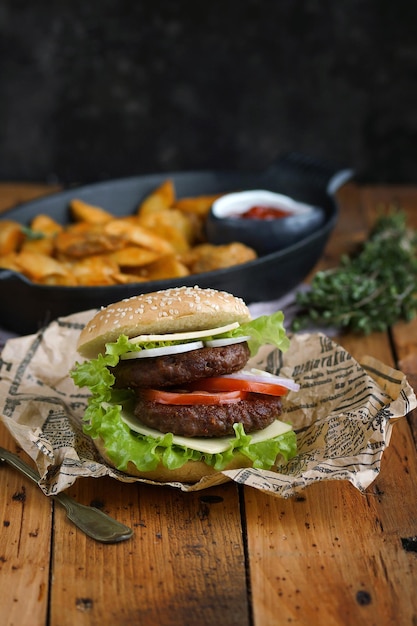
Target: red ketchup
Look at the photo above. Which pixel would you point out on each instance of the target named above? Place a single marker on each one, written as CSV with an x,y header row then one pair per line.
x,y
259,212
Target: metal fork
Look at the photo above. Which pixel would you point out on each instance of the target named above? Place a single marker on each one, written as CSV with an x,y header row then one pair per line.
x,y
93,522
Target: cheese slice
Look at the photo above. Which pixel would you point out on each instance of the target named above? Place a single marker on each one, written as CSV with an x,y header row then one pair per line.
x,y
178,348
209,332
211,445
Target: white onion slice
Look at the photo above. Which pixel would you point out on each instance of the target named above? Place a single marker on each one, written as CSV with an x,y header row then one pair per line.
x,y
260,376
192,334
226,341
163,350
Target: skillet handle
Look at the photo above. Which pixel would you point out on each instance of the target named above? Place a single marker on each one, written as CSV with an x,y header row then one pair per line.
x,y
314,172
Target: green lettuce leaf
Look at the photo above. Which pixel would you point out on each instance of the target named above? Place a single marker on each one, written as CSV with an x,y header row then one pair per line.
x,y
102,415
102,420
266,329
124,445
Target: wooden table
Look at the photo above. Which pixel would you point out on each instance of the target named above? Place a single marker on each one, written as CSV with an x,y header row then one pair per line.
x,y
228,555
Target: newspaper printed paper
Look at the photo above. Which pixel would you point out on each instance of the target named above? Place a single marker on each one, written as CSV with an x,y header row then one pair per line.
x,y
343,414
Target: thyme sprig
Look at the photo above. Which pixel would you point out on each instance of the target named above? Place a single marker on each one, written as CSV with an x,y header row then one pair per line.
x,y
29,233
368,291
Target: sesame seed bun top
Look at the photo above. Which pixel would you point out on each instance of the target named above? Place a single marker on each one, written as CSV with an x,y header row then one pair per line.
x,y
166,311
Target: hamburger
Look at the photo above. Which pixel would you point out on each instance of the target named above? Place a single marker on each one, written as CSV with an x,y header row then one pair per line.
x,y
173,397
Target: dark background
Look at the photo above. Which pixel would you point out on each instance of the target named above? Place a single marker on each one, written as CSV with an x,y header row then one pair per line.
x,y
96,90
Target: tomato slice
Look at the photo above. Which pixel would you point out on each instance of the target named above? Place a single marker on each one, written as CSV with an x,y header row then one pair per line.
x,y
220,383
192,397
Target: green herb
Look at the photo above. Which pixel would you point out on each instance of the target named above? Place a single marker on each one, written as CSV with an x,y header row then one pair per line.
x,y
31,234
371,290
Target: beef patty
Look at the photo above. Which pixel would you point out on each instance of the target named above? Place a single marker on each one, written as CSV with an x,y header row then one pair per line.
x,y
255,412
179,369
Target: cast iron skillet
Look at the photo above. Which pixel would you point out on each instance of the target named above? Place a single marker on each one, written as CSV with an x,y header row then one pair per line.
x,y
26,306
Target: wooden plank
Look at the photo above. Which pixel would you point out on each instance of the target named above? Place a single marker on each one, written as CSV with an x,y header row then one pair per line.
x,y
403,197
333,556
184,565
25,539
404,333
12,194
359,208
405,340
186,559
300,551
25,513
350,228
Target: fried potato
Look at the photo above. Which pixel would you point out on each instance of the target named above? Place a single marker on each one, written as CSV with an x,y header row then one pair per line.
x,y
199,205
45,245
124,278
138,235
164,238
40,238
11,236
167,267
87,242
8,262
162,198
172,225
133,256
207,257
67,280
84,212
37,266
45,225
83,227
95,270
196,210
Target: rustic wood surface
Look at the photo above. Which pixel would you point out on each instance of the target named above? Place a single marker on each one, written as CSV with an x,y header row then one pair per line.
x,y
228,555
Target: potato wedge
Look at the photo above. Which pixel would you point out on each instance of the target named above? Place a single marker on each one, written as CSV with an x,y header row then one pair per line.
x,y
40,246
83,212
87,242
11,236
172,225
67,280
123,278
164,238
166,267
161,198
207,257
133,256
37,266
95,270
46,225
138,235
200,205
8,262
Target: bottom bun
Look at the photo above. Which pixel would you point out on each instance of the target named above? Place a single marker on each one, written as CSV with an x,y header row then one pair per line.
x,y
190,472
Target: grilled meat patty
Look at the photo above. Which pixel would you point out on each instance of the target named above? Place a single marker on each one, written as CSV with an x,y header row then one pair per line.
x,y
255,412
174,371
180,369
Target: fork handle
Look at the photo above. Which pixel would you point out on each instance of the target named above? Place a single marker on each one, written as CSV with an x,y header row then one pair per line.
x,y
16,462
92,521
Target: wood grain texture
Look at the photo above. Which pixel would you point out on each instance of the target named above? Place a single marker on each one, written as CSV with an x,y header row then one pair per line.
x,y
12,194
229,555
333,556
25,544
185,564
